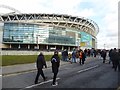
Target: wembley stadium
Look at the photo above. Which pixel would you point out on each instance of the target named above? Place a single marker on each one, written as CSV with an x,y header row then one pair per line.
x,y
47,31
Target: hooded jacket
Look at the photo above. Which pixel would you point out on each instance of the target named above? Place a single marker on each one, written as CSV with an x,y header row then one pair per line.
x,y
55,60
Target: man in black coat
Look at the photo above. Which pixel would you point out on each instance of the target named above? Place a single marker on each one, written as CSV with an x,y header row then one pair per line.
x,y
119,60
110,55
115,59
55,60
40,63
104,53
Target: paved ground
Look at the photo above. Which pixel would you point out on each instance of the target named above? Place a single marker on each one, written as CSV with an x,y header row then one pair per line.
x,y
93,74
27,67
23,68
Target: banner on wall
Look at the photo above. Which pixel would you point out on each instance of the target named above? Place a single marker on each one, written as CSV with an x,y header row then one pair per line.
x,y
86,40
82,44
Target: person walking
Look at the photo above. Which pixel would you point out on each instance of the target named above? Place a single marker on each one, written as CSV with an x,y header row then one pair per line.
x,y
66,54
74,56
81,56
55,60
104,55
69,57
115,59
95,53
40,63
77,56
110,55
119,60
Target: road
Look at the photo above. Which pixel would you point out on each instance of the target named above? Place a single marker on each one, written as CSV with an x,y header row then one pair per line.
x,y
93,74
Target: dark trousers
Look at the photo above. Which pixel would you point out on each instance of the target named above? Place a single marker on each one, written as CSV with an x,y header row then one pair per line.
x,y
83,60
119,67
116,65
104,58
80,61
113,63
54,78
39,72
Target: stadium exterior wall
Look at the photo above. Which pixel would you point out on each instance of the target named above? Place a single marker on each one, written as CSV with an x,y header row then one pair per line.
x,y
60,32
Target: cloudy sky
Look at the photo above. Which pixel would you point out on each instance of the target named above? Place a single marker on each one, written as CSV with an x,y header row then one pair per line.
x,y
103,12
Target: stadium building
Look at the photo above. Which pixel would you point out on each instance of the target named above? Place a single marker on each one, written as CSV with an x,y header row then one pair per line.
x,y
47,31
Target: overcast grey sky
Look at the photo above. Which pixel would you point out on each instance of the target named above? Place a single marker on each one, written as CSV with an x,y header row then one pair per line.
x,y
103,12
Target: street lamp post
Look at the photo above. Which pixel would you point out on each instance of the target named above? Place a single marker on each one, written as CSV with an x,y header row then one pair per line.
x,y
37,41
104,46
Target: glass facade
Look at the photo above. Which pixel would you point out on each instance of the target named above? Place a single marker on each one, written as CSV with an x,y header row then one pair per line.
x,y
61,36
19,33
24,33
37,34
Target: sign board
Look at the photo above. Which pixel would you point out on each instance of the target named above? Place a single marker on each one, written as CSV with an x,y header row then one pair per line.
x,y
82,44
86,39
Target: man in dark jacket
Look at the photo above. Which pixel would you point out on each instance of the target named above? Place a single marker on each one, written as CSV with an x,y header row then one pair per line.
x,y
119,60
40,63
115,58
55,60
110,55
104,55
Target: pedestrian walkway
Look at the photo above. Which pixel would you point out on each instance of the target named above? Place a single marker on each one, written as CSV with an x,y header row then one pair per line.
x,y
23,67
28,67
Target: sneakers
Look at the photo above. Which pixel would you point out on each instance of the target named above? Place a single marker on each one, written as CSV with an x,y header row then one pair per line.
x,y
56,83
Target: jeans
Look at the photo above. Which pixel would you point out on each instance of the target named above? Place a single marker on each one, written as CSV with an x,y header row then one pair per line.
x,y
73,59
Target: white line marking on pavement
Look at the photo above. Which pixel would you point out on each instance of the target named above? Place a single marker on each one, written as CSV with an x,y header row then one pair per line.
x,y
87,69
40,83
17,73
0,75
22,72
11,75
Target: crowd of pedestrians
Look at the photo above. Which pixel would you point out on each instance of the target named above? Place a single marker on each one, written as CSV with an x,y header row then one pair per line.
x,y
77,56
80,56
114,57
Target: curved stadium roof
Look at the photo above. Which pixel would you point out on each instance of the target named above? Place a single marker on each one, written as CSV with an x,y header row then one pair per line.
x,y
79,23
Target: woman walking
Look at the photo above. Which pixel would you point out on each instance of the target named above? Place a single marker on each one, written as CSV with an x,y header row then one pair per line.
x,y
55,60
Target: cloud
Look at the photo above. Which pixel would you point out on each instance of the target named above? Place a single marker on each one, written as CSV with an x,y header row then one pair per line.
x,y
111,21
108,24
103,12
112,35
110,42
88,12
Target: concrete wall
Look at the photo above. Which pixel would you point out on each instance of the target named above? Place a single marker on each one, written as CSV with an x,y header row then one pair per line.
x,y
5,52
1,34
13,52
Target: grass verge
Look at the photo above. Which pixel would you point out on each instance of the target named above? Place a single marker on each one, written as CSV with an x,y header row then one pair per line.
x,y
21,59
